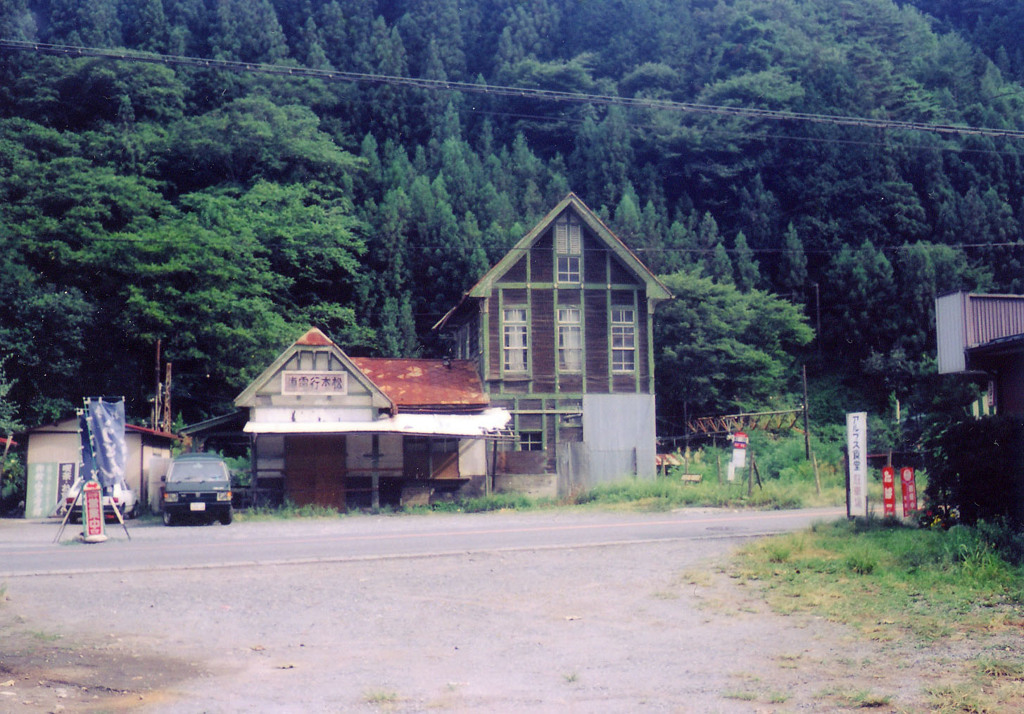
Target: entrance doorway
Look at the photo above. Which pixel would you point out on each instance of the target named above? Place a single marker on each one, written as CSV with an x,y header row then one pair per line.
x,y
315,470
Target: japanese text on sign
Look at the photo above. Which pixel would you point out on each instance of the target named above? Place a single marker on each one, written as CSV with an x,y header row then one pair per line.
x,y
857,446
327,383
909,491
889,490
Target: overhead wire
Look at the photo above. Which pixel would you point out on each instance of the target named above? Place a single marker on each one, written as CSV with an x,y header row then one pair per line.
x,y
509,91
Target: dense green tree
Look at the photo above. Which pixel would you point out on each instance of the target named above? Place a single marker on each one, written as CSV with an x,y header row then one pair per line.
x,y
96,154
720,350
248,31
748,274
793,265
251,139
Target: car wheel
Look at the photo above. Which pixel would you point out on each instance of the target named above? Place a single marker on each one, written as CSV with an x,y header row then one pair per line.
x,y
226,517
168,518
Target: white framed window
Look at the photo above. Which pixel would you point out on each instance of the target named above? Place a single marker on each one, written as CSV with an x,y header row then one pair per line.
x,y
568,249
623,339
515,350
570,339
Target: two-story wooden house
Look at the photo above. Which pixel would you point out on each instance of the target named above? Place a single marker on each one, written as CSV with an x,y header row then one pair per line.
x,y
561,331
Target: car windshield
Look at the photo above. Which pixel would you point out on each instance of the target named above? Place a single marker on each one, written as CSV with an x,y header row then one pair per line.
x,y
198,471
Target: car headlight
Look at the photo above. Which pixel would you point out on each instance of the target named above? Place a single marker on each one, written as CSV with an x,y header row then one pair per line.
x,y
223,495
170,497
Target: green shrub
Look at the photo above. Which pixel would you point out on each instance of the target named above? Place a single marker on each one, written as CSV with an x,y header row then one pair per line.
x,y
977,466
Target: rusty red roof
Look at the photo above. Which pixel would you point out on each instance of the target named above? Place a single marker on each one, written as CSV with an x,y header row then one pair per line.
x,y
421,383
314,338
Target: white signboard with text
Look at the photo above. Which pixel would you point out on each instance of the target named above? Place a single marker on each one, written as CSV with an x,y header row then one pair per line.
x,y
857,458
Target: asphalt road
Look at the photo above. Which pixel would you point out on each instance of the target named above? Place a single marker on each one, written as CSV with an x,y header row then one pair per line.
x,y
544,611
29,547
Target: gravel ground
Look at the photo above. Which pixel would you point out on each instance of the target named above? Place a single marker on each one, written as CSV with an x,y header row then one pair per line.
x,y
654,627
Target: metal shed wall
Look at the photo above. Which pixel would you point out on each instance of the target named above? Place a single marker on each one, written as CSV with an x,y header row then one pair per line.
x,y
964,320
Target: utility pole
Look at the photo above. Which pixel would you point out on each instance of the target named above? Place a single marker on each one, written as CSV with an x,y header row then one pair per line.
x,y
167,401
157,414
807,421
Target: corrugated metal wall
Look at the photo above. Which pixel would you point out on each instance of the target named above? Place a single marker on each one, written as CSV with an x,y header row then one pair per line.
x,y
992,317
964,320
619,442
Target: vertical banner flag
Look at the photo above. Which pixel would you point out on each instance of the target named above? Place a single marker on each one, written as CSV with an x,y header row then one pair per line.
x,y
110,450
909,491
857,448
889,490
87,467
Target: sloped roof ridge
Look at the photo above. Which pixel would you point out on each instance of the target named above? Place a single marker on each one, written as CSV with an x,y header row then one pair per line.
x,y
655,287
314,337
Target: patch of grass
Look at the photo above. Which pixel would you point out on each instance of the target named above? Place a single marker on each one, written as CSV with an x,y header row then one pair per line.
x,y
571,677
381,697
949,699
741,695
287,510
892,581
1000,669
864,699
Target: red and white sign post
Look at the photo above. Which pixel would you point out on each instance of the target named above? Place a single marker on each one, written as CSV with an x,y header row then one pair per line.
x,y
889,490
92,513
739,450
909,491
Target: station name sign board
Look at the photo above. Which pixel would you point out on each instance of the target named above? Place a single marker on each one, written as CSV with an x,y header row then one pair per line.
x,y
314,383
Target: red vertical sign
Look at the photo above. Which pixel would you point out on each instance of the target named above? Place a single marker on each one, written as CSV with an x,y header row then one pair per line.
x,y
93,509
909,491
889,490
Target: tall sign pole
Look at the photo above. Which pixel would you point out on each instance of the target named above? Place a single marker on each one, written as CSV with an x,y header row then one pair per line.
x,y
857,459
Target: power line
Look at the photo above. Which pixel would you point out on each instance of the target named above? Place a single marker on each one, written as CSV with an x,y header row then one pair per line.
x,y
506,91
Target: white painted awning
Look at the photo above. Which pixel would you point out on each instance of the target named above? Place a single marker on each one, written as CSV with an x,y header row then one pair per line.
x,y
487,424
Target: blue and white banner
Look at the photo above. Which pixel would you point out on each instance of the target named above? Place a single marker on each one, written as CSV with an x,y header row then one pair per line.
x,y
109,448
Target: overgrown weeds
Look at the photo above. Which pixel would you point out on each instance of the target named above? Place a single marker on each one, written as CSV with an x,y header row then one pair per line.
x,y
894,582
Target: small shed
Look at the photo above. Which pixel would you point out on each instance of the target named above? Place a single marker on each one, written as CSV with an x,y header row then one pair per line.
x,y
54,460
342,432
984,334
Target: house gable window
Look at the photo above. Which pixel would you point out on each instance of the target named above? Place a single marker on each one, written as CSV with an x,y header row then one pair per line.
x,y
570,339
515,350
623,339
568,249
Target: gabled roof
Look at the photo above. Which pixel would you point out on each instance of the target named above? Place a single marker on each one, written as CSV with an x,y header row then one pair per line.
x,y
426,383
656,290
312,338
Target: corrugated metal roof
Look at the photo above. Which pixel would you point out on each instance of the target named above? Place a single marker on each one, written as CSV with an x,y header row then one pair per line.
x,y
426,383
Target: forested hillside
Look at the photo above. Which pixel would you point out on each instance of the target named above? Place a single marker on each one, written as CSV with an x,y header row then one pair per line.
x,y
224,212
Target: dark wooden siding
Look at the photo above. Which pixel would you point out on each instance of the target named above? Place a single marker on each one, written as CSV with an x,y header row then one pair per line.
x,y
517,273
641,344
542,260
542,341
494,338
619,273
596,340
594,257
